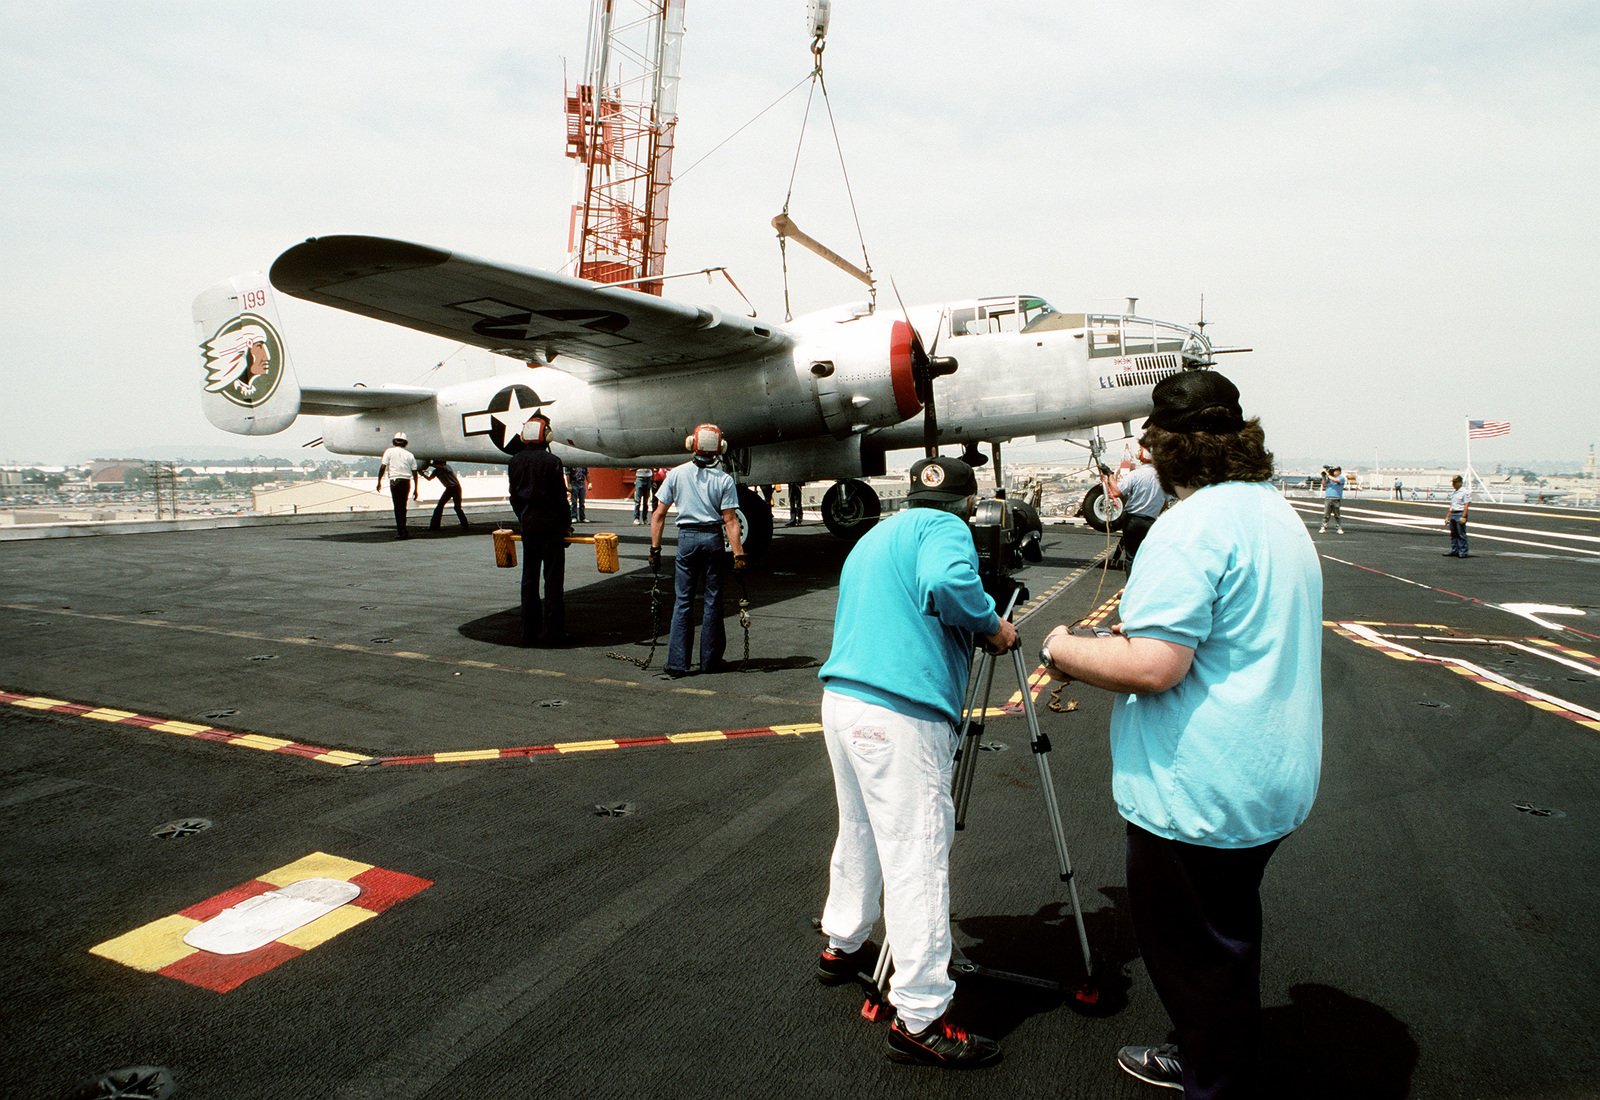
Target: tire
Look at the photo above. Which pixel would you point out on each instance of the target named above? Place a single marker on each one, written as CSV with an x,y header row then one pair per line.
x,y
1101,512
755,522
850,508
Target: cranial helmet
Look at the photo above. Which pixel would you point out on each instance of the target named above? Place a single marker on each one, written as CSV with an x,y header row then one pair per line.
x,y
536,430
706,439
400,438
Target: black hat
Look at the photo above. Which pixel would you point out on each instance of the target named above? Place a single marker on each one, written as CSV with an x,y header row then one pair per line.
x,y
944,480
1195,401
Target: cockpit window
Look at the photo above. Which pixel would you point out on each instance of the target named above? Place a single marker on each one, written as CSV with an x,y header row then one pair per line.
x,y
999,315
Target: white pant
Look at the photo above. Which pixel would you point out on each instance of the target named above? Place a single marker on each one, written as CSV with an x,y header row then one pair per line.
x,y
891,775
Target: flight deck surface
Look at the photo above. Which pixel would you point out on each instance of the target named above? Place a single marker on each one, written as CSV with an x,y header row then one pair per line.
x,y
580,878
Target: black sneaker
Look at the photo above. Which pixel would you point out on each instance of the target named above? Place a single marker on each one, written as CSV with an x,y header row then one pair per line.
x,y
941,1044
836,967
1153,1065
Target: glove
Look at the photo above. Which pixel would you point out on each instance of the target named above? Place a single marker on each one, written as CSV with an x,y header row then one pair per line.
x,y
740,563
655,559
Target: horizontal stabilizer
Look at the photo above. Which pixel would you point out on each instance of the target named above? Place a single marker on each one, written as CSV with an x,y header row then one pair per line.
x,y
323,401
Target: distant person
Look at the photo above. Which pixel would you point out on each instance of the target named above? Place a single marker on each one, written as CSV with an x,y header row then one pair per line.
x,y
642,486
707,501
1399,490
401,467
1216,728
911,604
539,497
1460,502
1332,498
657,476
796,504
450,491
578,487
1142,502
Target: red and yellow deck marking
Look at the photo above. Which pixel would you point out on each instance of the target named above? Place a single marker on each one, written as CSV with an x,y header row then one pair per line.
x,y
1040,680
182,729
603,744
158,947
1368,634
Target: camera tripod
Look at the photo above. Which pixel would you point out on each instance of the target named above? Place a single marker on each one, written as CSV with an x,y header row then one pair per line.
x,y
967,748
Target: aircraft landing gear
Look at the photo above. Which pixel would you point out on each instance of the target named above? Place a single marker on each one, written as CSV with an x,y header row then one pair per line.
x,y
755,522
1102,512
850,508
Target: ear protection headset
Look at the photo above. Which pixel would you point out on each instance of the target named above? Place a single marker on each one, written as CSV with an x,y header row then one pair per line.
x,y
706,439
536,430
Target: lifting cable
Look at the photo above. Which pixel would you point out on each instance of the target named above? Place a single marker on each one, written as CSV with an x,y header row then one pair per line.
x,y
819,81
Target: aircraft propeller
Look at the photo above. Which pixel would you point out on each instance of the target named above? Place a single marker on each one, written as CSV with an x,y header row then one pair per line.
x,y
925,367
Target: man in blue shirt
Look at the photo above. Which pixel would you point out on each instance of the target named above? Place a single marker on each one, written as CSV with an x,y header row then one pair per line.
x,y
1332,498
707,501
910,604
1142,502
1216,733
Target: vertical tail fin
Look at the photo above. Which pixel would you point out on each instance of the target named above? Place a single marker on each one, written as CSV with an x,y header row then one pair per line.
x,y
248,386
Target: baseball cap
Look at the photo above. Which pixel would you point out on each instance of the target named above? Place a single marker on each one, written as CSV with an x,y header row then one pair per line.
x,y
943,480
1195,401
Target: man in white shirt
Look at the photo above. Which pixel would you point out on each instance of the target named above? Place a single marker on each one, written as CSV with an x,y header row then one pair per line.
x,y
1460,501
401,467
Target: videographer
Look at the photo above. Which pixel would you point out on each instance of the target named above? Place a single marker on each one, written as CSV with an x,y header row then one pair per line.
x,y
910,603
1216,731
1332,498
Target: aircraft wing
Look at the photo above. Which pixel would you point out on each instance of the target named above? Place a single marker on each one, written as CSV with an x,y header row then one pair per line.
x,y
595,332
343,401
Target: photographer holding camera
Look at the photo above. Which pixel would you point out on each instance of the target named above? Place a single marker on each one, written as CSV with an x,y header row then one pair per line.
x,y
1216,730
910,603
1332,498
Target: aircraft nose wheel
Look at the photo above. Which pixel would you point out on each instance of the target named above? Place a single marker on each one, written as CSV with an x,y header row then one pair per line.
x,y
850,508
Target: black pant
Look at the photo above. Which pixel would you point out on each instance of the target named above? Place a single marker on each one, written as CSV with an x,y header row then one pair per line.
x,y
452,495
1134,529
400,489
1197,913
543,621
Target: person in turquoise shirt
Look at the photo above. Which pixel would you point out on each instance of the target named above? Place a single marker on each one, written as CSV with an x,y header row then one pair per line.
x,y
1216,730
911,603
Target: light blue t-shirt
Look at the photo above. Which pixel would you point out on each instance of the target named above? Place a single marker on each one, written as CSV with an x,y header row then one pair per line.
x,y
700,492
1231,756
1333,487
910,601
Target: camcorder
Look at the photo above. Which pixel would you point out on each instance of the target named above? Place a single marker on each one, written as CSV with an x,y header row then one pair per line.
x,y
1007,536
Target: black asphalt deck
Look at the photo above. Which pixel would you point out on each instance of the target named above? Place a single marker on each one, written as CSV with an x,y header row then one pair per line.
x,y
1427,937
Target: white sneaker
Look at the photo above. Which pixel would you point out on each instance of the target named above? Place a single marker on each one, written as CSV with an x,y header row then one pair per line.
x,y
1341,530
1322,530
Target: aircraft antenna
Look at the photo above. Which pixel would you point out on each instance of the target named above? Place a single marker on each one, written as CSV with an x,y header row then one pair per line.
x,y
621,125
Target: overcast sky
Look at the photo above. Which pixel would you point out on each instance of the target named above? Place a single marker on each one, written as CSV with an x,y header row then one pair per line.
x,y
1395,203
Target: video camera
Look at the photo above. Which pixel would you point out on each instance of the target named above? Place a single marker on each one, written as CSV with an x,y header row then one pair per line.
x,y
1007,536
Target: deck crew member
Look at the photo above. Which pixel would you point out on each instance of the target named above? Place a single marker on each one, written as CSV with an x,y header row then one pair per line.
x,y
910,604
401,467
450,491
1142,501
707,501
539,497
1216,730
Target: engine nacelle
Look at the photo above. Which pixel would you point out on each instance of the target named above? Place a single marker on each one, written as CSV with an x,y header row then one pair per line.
x,y
857,386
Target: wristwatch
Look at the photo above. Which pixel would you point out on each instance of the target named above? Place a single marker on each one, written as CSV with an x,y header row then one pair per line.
x,y
1045,659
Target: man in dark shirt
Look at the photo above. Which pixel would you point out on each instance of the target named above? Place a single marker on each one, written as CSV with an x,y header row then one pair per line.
x,y
450,491
539,497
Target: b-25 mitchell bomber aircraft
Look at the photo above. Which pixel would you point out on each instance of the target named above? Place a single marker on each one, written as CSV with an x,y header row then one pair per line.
x,y
625,376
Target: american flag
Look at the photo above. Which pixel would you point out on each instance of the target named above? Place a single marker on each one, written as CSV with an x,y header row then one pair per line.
x,y
1485,429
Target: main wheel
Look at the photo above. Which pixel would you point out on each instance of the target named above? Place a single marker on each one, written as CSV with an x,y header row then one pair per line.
x,y
755,522
1101,512
850,508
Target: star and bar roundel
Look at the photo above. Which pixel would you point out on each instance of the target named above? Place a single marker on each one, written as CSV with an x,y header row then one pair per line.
x,y
502,421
